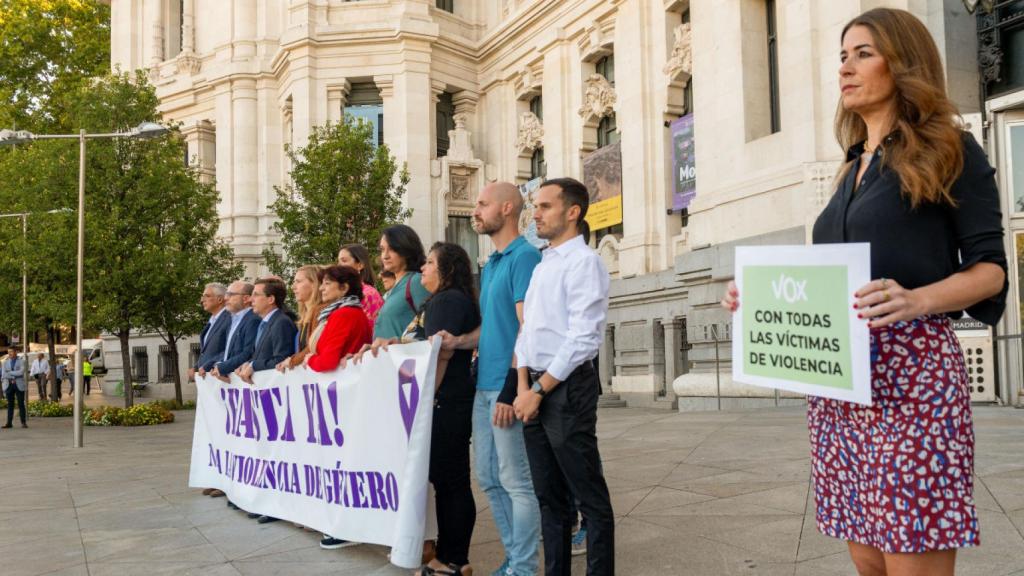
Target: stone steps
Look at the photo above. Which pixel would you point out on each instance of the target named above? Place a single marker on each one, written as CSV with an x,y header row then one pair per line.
x,y
609,400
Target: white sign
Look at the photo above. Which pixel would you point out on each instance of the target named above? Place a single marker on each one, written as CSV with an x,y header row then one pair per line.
x,y
346,452
796,328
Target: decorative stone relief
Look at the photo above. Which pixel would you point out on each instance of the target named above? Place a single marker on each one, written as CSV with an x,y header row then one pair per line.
x,y
990,58
531,133
460,187
986,5
608,249
681,59
598,98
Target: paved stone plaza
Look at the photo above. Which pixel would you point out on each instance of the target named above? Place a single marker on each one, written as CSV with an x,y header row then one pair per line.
x,y
697,493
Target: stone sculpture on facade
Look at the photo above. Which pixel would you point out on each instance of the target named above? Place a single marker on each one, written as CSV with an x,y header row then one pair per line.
x,y
598,98
531,132
681,59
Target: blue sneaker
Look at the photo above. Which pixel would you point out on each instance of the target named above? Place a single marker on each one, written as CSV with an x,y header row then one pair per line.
x,y
502,570
579,542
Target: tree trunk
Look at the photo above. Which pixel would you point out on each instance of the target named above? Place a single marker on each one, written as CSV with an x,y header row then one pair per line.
x,y
51,347
126,363
177,371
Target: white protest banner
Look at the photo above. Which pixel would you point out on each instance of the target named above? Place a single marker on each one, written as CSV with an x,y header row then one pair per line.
x,y
345,452
796,328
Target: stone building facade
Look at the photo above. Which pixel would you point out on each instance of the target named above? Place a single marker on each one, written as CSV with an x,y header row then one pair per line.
x,y
466,92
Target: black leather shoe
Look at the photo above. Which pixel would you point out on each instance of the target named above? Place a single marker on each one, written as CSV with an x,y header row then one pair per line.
x,y
6,426
232,505
23,425
253,514
267,519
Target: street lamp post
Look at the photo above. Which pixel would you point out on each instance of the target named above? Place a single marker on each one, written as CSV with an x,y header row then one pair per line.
x,y
10,137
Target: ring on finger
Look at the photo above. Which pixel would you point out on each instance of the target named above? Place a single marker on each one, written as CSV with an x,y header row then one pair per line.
x,y
885,296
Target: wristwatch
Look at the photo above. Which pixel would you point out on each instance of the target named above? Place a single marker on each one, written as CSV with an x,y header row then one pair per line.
x,y
538,389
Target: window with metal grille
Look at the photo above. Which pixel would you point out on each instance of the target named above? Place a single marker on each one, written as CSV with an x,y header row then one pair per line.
x,y
445,112
140,363
166,366
193,354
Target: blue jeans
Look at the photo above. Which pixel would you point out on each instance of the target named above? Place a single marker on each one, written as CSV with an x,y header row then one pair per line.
x,y
503,470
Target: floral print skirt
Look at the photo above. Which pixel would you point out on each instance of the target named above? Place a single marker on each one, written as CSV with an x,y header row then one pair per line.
x,y
898,476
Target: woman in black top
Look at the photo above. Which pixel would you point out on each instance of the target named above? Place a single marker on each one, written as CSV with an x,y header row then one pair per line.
x,y
895,480
452,307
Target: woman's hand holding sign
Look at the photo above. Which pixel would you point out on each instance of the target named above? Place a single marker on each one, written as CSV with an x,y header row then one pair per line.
x,y
883,302
731,300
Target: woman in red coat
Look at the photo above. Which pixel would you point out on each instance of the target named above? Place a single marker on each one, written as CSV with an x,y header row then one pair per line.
x,y
345,330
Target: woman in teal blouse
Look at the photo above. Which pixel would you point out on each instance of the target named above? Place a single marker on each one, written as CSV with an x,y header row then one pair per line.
x,y
401,253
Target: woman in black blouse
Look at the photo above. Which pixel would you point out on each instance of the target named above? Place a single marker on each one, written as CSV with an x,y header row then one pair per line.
x,y
452,307
895,480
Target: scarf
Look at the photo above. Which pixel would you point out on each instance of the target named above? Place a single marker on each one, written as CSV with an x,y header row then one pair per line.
x,y
346,302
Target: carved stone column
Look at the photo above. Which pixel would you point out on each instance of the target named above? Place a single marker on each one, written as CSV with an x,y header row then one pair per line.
x,y
188,61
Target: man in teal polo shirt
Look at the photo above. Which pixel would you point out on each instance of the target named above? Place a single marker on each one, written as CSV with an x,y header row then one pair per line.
x,y
502,466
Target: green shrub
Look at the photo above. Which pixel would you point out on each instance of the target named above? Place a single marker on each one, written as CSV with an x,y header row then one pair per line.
x,y
173,404
137,415
46,409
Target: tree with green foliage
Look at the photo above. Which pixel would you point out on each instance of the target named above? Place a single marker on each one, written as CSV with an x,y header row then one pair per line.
x,y
47,48
343,190
153,222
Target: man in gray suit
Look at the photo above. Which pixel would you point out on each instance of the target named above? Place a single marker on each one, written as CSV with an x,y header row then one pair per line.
x,y
13,378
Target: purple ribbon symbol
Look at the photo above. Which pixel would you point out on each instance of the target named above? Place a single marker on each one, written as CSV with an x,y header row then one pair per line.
x,y
407,377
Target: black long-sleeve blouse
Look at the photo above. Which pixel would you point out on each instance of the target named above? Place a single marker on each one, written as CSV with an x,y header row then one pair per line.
x,y
923,245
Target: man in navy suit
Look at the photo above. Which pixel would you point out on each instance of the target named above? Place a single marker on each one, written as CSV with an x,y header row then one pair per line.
x,y
214,336
275,336
242,334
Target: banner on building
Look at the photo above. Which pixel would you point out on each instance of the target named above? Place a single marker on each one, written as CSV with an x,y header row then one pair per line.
x,y
527,227
602,175
683,164
346,452
796,328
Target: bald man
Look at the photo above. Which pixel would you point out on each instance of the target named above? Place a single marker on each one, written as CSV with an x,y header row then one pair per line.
x,y
502,466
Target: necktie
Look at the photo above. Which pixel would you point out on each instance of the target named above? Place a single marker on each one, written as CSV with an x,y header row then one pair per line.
x,y
259,332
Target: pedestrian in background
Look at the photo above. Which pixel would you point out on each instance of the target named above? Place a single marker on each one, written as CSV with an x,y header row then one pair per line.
x,y
13,379
39,370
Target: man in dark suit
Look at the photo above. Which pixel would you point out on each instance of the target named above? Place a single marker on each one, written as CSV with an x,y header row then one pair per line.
x,y
275,336
214,335
242,334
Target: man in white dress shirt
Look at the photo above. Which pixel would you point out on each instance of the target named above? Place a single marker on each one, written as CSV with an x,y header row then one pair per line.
x,y
563,325
39,371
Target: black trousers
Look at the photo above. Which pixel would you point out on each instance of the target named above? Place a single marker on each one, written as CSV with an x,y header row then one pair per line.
x,y
41,385
449,473
561,444
14,394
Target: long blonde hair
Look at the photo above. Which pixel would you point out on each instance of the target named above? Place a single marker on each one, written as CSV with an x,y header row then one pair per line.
x,y
308,311
926,150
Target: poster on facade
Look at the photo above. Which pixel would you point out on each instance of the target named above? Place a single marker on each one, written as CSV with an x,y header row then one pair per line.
x,y
684,166
602,175
346,452
527,227
796,328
